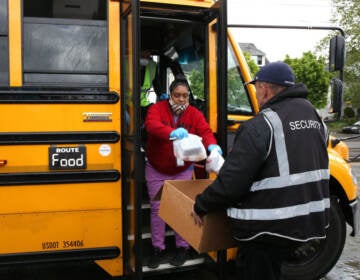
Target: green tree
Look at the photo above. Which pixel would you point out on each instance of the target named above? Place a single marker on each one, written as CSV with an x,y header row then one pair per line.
x,y
196,79
347,15
311,71
251,63
197,83
237,96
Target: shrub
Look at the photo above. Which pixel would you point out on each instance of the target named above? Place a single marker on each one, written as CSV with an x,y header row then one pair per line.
x,y
349,112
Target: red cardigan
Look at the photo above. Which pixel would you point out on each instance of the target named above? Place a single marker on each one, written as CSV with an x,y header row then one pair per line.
x,y
159,123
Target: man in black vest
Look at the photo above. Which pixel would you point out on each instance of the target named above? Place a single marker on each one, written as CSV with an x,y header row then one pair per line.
x,y
274,182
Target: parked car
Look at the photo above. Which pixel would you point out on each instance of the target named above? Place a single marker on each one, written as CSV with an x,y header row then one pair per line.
x,y
354,128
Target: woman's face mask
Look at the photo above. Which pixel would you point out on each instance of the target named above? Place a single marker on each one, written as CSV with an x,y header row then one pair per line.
x,y
179,99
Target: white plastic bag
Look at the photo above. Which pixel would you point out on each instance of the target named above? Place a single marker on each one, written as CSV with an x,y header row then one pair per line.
x,y
189,149
214,162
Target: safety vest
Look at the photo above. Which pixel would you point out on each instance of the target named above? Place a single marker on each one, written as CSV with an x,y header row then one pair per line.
x,y
150,71
285,204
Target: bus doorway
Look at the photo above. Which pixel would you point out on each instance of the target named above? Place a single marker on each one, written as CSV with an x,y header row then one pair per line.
x,y
180,40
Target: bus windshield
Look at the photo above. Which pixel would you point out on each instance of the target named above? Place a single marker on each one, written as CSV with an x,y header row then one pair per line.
x,y
238,98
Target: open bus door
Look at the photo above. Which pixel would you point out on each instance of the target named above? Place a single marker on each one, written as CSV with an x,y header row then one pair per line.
x,y
196,33
315,258
132,163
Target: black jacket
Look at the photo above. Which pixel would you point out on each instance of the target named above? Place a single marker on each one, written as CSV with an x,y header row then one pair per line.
x,y
275,179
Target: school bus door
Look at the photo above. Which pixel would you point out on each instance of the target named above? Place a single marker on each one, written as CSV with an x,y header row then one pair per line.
x,y
214,17
132,164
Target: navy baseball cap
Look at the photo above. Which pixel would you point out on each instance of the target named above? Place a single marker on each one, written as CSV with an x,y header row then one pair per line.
x,y
278,73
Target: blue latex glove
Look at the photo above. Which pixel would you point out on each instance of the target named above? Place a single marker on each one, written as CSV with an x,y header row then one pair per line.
x,y
164,96
215,147
179,133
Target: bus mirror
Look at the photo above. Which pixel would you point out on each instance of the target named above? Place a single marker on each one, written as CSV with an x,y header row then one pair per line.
x,y
337,96
337,53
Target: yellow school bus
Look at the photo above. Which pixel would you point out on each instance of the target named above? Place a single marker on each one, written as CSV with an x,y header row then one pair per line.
x,y
71,150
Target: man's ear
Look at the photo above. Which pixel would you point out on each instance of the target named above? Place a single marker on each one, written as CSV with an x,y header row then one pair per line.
x,y
267,93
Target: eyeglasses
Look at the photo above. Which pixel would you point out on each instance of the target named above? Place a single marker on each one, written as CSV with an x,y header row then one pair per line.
x,y
179,95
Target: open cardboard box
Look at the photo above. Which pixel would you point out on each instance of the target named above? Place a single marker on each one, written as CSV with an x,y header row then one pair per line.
x,y
177,200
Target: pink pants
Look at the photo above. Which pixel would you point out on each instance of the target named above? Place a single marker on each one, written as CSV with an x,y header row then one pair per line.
x,y
154,181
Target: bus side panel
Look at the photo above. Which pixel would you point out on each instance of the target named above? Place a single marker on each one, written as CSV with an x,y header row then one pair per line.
x,y
63,213
42,233
59,230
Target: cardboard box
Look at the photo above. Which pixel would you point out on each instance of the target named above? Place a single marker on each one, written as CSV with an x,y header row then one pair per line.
x,y
177,200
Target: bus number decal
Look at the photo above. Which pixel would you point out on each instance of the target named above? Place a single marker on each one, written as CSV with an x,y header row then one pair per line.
x,y
65,244
50,245
73,243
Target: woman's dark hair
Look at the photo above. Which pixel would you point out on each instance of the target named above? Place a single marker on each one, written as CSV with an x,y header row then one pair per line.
x,y
179,82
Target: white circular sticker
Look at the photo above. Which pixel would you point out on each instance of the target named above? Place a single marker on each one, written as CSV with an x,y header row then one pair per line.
x,y
104,150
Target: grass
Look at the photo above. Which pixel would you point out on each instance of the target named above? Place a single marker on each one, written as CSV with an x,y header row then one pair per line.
x,y
336,126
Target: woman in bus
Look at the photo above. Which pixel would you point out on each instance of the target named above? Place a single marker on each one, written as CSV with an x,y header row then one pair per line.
x,y
169,119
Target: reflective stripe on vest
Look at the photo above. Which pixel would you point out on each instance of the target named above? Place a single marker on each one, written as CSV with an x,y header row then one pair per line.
x,y
279,213
285,179
150,71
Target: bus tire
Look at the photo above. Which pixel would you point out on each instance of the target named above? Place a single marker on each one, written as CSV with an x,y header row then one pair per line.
x,y
316,258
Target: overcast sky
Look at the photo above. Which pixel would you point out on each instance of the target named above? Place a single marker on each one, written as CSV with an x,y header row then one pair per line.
x,y
276,43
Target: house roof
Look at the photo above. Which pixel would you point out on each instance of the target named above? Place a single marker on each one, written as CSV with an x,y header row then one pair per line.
x,y
251,48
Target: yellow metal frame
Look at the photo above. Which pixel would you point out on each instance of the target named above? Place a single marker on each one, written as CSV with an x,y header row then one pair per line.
x,y
114,45
15,53
212,61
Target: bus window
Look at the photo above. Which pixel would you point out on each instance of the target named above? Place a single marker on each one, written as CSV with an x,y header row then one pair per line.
x,y
4,44
71,42
195,70
4,66
74,9
238,98
178,49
